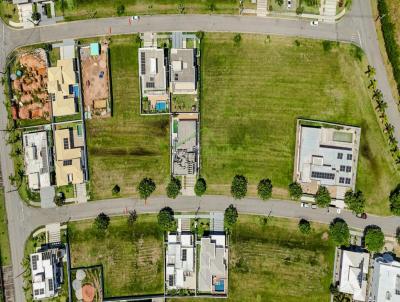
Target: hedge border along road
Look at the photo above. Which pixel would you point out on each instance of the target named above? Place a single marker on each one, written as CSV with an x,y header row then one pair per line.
x,y
392,48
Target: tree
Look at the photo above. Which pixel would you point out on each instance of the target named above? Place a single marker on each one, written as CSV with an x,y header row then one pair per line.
x,y
374,238
323,198
394,199
370,71
295,190
304,226
372,84
174,187
200,186
200,35
327,45
299,10
279,2
237,39
264,189
166,220
146,187
355,201
36,16
230,217
132,217
115,190
120,9
239,187
59,199
102,222
339,232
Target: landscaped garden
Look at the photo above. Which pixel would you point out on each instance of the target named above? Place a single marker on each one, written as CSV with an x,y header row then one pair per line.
x,y
271,260
126,147
256,88
79,9
131,254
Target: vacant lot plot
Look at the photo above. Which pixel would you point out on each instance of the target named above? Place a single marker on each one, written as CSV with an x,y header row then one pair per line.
x,y
126,147
275,262
253,94
132,256
85,9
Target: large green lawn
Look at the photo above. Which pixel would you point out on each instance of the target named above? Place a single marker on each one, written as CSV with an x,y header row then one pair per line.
x,y
132,256
275,262
252,96
126,147
4,240
85,9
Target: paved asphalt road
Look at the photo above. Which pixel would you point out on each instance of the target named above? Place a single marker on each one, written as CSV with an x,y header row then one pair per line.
x,y
357,27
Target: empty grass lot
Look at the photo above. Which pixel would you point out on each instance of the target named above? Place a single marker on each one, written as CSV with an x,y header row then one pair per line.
x,y
275,262
252,96
85,9
126,147
132,257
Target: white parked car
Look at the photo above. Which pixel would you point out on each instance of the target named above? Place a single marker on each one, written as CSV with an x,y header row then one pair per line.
x,y
135,18
314,23
289,3
338,210
313,206
304,205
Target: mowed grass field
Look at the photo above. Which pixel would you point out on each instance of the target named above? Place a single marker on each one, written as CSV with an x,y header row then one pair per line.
x,y
275,262
85,9
132,256
126,147
252,95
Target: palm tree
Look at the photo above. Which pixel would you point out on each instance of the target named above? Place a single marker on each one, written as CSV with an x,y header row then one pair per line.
x,y
377,94
370,71
389,128
381,105
372,84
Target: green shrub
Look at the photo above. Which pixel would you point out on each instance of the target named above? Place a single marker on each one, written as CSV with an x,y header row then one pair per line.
x,y
230,217
323,198
394,199
374,239
200,187
339,232
295,190
304,226
146,187
166,220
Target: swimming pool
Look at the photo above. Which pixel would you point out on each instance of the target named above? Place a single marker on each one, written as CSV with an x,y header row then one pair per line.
x,y
219,286
161,106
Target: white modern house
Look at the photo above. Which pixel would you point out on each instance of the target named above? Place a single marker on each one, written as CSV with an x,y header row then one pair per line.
x,y
37,159
385,282
47,272
213,271
180,261
326,155
353,274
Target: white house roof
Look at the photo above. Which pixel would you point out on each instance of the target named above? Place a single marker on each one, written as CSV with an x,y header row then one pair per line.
x,y
36,157
385,284
353,271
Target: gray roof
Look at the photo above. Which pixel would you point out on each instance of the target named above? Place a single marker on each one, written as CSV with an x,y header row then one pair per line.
x,y
182,65
152,69
212,263
185,148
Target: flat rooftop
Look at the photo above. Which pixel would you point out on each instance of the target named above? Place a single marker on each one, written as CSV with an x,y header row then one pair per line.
x,y
36,156
327,156
152,71
183,71
385,283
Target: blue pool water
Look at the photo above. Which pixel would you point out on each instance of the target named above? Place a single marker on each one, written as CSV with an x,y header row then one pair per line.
x,y
76,91
219,286
161,106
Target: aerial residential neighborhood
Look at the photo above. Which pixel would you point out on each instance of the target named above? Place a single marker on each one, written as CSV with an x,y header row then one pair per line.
x,y
200,151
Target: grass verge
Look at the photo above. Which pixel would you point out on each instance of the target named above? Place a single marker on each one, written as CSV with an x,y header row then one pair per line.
x,y
132,256
4,239
253,93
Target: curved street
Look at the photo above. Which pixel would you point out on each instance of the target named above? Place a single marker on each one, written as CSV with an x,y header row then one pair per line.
x,y
356,27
